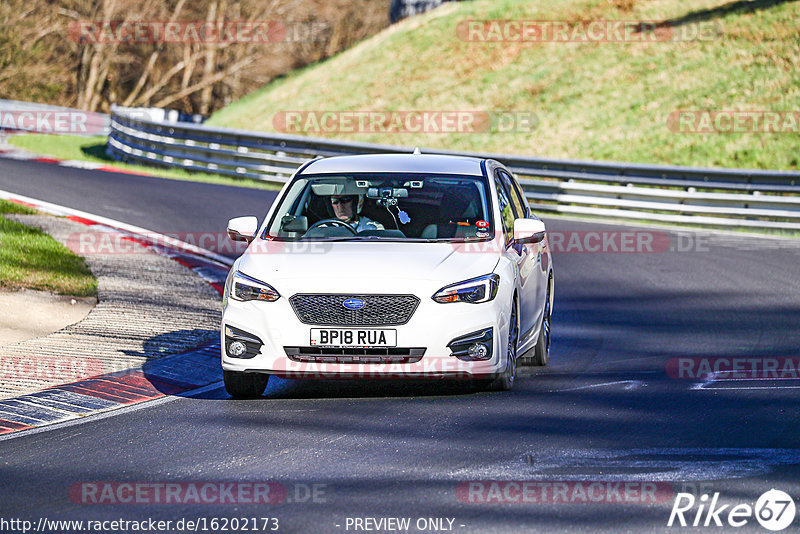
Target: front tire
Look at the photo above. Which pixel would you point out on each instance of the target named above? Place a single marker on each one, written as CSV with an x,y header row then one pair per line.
x,y
505,381
244,385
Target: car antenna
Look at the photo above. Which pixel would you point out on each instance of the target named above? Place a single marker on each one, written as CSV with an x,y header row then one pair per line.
x,y
417,151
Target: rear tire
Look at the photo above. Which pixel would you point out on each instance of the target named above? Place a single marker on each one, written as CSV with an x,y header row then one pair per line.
x,y
541,352
505,381
244,385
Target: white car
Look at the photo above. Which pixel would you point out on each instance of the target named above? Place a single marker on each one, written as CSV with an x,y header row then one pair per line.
x,y
389,266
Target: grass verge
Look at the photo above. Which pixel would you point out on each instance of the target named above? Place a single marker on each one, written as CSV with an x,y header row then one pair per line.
x,y
592,100
29,258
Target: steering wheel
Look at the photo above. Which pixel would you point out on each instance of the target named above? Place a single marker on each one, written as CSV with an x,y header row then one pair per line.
x,y
334,222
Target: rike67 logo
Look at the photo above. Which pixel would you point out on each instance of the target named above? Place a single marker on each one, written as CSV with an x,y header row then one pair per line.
x,y
774,510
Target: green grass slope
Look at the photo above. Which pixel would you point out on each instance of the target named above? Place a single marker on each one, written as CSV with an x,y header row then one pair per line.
x,y
29,258
596,100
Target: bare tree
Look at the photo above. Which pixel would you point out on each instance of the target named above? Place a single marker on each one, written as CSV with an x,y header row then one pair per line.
x,y
42,58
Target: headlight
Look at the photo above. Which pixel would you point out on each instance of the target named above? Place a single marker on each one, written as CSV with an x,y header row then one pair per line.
x,y
247,288
481,289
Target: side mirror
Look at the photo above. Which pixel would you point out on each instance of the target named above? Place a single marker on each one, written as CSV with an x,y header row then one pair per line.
x,y
528,231
243,228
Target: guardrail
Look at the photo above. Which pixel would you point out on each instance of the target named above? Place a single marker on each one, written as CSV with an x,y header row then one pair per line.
x,y
704,196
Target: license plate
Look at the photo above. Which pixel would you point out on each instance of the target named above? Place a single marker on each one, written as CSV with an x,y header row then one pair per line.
x,y
352,337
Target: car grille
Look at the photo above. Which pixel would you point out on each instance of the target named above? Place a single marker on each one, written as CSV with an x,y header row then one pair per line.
x,y
354,355
378,310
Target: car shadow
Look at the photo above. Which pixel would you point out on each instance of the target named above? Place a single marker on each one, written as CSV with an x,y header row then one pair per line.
x,y
329,388
180,360
180,372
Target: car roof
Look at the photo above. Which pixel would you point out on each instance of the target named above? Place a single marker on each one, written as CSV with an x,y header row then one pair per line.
x,y
422,163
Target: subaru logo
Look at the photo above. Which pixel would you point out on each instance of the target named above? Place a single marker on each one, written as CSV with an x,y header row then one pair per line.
x,y
353,304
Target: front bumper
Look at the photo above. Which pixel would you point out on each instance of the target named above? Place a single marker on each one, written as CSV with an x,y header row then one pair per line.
x,y
432,327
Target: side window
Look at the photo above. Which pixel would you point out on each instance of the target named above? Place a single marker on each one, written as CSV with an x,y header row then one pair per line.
x,y
517,201
505,208
520,194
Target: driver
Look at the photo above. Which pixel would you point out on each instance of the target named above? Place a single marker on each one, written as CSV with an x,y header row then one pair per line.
x,y
347,208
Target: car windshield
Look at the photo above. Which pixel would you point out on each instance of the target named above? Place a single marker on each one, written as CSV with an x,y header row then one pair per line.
x,y
383,206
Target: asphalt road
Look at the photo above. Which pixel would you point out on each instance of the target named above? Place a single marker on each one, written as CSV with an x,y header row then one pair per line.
x,y
165,206
607,409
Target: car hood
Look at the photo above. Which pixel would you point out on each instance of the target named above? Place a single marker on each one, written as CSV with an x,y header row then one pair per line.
x,y
365,266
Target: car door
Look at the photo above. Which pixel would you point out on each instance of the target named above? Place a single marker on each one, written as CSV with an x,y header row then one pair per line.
x,y
525,258
541,253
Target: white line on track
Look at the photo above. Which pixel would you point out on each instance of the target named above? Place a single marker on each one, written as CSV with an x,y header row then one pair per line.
x,y
682,464
703,386
629,385
714,379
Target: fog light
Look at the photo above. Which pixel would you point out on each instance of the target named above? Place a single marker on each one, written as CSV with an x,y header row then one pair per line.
x,y
241,344
473,347
478,351
236,349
